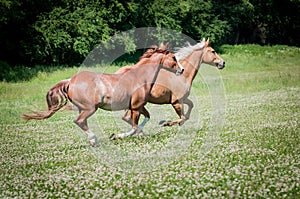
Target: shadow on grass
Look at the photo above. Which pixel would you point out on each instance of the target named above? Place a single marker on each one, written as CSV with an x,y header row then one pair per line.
x,y
23,73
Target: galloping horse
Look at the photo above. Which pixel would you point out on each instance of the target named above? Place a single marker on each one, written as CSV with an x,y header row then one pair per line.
x,y
175,90
89,91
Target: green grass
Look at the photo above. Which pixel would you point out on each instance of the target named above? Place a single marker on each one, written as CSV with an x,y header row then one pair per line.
x,y
249,150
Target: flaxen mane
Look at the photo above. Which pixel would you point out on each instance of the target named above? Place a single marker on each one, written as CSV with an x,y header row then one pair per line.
x,y
183,52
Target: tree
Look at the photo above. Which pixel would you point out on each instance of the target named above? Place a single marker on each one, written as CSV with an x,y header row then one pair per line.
x,y
16,32
64,31
260,21
68,34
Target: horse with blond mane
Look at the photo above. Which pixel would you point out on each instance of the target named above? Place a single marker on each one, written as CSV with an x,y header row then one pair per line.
x,y
175,90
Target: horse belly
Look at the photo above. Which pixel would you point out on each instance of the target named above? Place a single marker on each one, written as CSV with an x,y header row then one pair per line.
x,y
114,106
160,95
115,102
166,91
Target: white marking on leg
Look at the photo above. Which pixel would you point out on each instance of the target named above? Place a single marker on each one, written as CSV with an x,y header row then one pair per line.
x,y
141,126
129,133
92,137
90,134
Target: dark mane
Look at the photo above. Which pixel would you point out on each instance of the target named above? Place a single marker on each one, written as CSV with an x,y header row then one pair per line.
x,y
153,49
150,51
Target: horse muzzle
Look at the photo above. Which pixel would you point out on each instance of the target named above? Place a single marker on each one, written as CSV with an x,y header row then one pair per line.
x,y
179,71
220,64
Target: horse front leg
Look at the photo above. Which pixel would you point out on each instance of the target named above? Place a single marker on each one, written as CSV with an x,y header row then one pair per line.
x,y
178,106
127,118
146,119
135,115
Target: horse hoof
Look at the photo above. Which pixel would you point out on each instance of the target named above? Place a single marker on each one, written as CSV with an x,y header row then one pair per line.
x,y
162,123
94,142
112,136
141,134
165,123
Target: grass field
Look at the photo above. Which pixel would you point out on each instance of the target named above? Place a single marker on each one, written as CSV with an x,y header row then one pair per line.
x,y
241,142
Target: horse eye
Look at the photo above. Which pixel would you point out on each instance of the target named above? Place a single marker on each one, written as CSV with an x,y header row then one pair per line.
x,y
214,52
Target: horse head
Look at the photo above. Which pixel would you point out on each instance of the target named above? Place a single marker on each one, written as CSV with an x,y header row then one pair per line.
x,y
211,57
167,59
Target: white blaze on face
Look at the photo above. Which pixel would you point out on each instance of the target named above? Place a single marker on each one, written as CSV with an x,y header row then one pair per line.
x,y
179,64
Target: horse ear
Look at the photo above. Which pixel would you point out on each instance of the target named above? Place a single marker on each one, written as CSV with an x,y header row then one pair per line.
x,y
203,40
167,45
207,42
161,45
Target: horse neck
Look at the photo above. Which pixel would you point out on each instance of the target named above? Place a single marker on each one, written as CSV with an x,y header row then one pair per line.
x,y
192,64
150,67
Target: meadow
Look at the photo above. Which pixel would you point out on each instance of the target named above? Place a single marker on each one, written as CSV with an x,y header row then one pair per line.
x,y
242,140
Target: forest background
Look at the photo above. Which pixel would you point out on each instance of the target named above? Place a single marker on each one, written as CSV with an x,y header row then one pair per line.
x,y
63,32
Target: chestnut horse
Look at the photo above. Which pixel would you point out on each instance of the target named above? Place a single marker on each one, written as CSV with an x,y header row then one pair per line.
x,y
175,90
89,91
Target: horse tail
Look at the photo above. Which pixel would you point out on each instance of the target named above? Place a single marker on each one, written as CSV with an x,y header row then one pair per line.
x,y
57,97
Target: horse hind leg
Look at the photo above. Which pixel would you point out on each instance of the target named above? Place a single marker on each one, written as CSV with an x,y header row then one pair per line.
x,y
190,105
127,117
81,121
179,110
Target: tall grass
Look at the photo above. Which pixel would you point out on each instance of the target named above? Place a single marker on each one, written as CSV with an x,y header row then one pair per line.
x,y
253,154
256,68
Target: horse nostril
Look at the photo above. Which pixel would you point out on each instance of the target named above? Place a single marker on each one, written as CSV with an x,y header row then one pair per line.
x,y
179,71
221,64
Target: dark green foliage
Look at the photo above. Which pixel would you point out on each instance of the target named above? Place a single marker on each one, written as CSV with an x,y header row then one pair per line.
x,y
23,73
64,31
260,21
